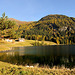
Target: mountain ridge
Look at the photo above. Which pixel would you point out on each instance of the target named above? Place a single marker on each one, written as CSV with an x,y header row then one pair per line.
x,y
18,21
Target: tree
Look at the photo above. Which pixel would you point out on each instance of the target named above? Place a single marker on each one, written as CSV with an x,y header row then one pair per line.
x,y
6,26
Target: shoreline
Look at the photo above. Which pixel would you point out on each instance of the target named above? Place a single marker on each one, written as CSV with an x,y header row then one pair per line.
x,y
7,46
11,49
7,68
26,43
29,70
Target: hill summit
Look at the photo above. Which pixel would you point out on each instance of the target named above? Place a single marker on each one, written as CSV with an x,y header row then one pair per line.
x,y
49,17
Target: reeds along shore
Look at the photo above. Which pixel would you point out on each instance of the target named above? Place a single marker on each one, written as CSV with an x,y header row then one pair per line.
x,y
9,69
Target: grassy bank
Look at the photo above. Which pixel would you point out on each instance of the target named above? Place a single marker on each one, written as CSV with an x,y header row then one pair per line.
x,y
7,45
9,69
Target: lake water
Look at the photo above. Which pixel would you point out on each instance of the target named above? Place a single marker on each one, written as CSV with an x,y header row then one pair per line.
x,y
43,55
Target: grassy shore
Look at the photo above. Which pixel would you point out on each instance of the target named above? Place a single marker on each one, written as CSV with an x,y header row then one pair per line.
x,y
9,69
8,45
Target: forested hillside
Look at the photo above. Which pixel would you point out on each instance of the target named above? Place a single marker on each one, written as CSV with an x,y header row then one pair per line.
x,y
56,28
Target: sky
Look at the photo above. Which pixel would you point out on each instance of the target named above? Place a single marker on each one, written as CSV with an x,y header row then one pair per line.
x,y
34,10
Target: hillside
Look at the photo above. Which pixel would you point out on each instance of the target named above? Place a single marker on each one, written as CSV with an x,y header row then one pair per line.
x,y
56,28
18,21
58,21
53,26
55,22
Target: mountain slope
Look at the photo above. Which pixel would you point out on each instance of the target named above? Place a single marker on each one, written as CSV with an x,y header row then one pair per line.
x,y
52,27
18,21
56,21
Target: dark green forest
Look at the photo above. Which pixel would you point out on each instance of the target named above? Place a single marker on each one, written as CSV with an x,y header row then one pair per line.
x,y
57,28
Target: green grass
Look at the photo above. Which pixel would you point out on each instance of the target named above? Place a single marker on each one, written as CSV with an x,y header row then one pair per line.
x,y
8,45
9,69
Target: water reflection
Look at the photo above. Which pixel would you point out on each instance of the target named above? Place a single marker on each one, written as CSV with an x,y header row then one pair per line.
x,y
48,55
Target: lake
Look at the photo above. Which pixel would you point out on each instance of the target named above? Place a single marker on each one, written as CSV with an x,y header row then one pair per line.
x,y
56,55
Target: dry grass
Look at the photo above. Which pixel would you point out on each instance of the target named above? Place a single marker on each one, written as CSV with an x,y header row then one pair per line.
x,y
9,69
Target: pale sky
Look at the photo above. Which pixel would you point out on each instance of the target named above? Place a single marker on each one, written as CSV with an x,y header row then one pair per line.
x,y
33,10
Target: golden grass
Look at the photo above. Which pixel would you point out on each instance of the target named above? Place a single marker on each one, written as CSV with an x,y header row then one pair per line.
x,y
7,45
9,69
